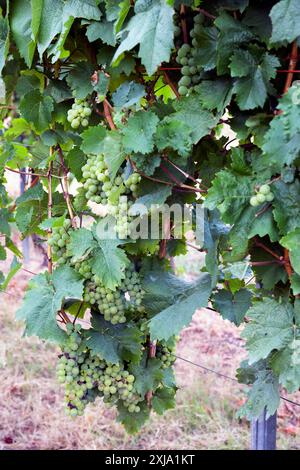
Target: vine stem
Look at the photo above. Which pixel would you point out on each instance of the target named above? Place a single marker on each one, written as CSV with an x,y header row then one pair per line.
x,y
65,187
107,113
268,250
183,25
292,67
288,83
205,13
50,203
20,172
171,84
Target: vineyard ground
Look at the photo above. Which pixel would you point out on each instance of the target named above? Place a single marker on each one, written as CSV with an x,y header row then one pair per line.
x,y
31,406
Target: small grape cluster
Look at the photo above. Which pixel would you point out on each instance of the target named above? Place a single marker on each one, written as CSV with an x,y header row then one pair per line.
x,y
186,56
79,113
114,304
263,195
87,376
166,354
59,241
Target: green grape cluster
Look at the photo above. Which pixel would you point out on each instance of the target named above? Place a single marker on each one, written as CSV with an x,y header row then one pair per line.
x,y
87,376
186,56
79,113
263,195
59,241
132,183
83,268
114,304
122,216
95,173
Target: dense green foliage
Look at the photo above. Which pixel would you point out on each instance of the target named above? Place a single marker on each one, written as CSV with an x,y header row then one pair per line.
x,y
116,103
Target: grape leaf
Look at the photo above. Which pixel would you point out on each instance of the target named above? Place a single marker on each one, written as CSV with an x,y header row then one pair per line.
x,y
292,242
171,320
92,140
81,242
264,393
20,25
79,79
285,18
13,269
148,374
285,365
206,55
103,30
215,94
152,28
286,205
4,41
115,343
174,134
109,263
44,299
132,426
138,134
189,111
37,109
270,327
163,400
128,94
114,154
255,72
147,163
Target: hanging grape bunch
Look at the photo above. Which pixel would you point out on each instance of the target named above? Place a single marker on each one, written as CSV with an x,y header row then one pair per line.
x,y
263,195
186,56
59,241
87,376
114,304
79,114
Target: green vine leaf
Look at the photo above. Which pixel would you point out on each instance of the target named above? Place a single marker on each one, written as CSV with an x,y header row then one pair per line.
x,y
45,298
152,28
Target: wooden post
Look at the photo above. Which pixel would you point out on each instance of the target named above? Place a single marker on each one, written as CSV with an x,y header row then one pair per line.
x,y
263,432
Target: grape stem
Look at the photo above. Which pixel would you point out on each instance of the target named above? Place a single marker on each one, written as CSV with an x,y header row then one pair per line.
x,y
268,250
64,316
151,354
171,84
205,13
183,24
107,113
50,203
288,83
19,172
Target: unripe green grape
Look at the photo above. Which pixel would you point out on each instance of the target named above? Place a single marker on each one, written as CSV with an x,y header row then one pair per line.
x,y
265,189
185,70
261,198
184,61
199,18
254,202
75,123
182,90
84,122
269,197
